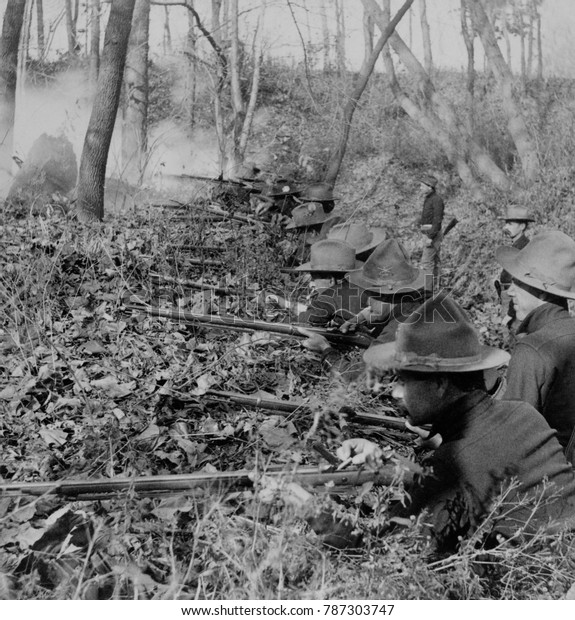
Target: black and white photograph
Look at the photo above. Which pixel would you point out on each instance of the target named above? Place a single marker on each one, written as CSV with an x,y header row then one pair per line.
x,y
287,307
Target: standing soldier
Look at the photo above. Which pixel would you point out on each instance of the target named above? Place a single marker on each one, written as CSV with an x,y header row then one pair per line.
x,y
431,219
517,221
542,367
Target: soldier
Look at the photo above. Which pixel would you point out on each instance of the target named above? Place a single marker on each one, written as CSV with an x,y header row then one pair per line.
x,y
517,221
382,294
312,223
330,260
439,363
319,192
430,222
542,368
277,202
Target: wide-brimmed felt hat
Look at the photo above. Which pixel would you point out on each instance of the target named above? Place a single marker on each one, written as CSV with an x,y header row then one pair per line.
x,y
331,255
247,171
429,180
359,236
388,271
309,214
546,263
437,337
514,213
318,192
283,189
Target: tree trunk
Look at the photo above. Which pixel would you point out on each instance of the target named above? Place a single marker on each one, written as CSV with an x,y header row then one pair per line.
x,y
468,33
539,49
258,54
40,27
191,42
238,108
325,35
135,126
94,42
9,43
167,40
221,69
336,159
428,58
90,200
515,122
340,37
71,20
530,36
505,29
367,35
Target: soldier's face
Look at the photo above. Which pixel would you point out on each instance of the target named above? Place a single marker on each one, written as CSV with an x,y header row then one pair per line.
x,y
524,299
424,189
421,394
513,229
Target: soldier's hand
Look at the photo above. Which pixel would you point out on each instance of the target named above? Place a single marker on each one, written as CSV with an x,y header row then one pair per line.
x,y
352,324
314,342
423,436
428,242
359,451
280,221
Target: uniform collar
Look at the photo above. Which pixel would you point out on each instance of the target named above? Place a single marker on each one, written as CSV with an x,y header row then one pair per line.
x,y
542,316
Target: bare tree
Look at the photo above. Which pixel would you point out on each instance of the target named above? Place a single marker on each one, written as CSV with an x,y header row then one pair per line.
x,y
325,36
72,9
94,41
340,37
468,32
40,27
435,114
11,29
427,55
191,77
92,176
167,39
365,72
516,123
135,125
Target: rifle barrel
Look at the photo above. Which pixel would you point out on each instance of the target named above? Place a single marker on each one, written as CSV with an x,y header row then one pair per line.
x,y
182,483
232,322
202,286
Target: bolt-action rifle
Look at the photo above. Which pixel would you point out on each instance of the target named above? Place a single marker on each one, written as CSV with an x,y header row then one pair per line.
x,y
209,212
285,407
190,483
232,322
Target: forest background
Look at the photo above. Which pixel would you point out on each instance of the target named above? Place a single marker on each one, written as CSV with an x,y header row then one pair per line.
x,y
478,93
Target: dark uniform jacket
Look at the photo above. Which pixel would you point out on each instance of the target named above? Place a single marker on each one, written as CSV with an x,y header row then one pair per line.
x,y
542,368
432,213
338,304
343,301
486,443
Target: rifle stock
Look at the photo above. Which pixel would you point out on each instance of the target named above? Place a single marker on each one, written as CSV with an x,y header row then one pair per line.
x,y
183,483
232,322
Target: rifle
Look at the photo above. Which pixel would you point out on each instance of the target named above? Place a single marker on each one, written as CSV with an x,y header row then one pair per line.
x,y
109,488
158,277
209,212
285,407
451,224
232,322
220,179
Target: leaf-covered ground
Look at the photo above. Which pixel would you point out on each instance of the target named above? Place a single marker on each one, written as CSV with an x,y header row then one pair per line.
x,y
90,389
